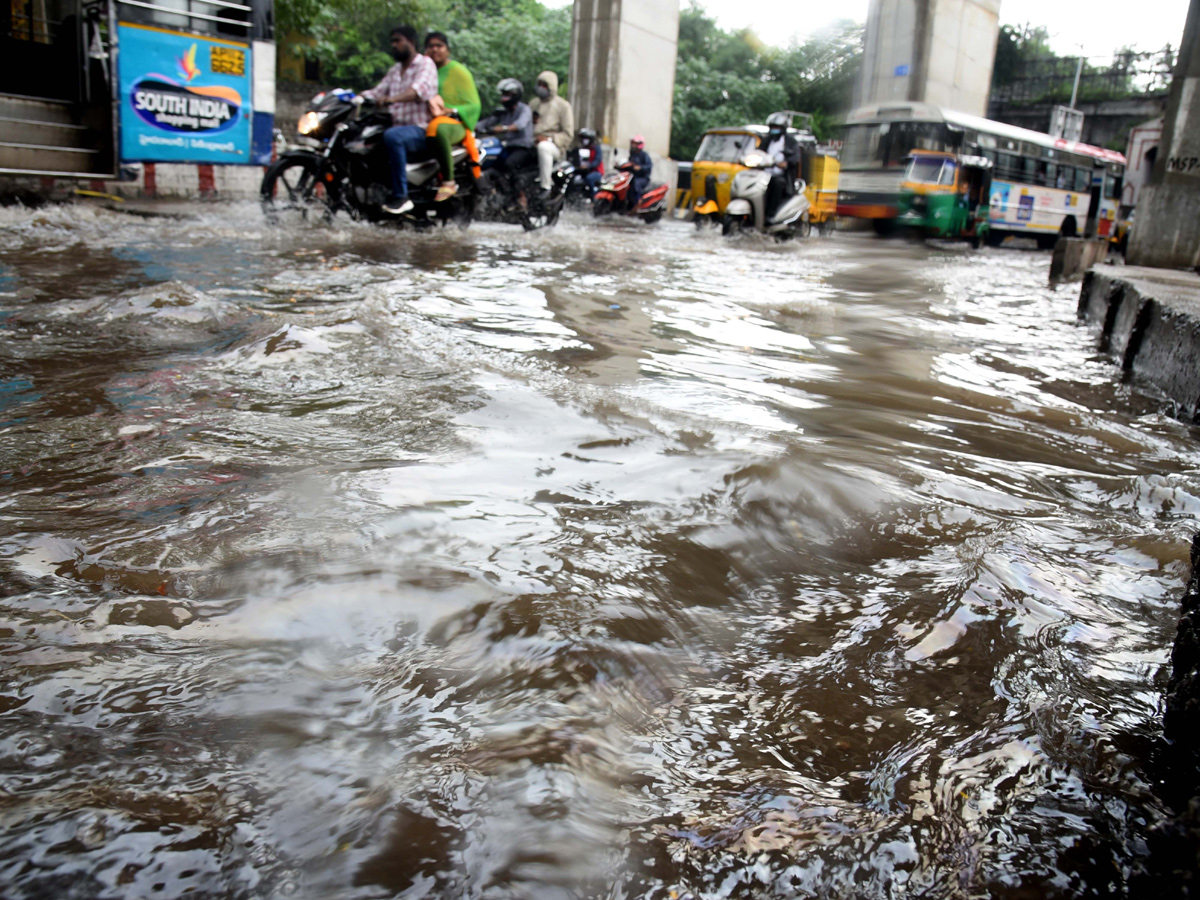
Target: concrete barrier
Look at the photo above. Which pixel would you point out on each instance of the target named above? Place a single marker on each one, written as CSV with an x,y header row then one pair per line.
x,y
1074,256
1150,321
149,181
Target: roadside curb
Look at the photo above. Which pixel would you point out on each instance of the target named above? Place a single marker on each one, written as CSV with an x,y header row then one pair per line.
x,y
1150,322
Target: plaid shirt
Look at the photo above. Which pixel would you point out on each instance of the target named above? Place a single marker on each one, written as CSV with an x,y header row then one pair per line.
x,y
421,75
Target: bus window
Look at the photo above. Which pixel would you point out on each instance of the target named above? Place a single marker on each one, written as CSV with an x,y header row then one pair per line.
x,y
1007,166
1029,170
1112,187
1083,180
1050,175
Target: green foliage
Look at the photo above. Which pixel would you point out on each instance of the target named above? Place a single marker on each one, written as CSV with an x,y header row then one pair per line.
x,y
348,37
731,78
1016,47
519,40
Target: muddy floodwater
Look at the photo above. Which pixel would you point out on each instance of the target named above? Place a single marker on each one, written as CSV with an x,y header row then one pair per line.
x,y
611,561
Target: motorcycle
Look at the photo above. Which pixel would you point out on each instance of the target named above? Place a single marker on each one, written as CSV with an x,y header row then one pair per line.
x,y
748,201
613,197
516,198
577,194
342,164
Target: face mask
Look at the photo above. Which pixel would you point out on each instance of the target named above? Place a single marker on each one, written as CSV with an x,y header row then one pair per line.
x,y
509,101
543,92
402,54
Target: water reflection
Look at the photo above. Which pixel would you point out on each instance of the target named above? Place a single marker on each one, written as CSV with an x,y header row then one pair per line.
x,y
595,562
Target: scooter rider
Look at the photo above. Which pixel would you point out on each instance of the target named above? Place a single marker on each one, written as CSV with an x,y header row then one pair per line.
x,y
586,158
640,165
784,152
513,124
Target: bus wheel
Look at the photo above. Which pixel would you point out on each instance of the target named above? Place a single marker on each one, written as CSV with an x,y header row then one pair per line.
x,y
883,227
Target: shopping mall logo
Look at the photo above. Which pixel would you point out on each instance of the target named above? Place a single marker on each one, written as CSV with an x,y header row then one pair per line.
x,y
187,65
171,106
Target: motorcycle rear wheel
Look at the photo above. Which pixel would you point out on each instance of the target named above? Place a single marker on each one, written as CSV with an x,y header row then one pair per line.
x,y
292,193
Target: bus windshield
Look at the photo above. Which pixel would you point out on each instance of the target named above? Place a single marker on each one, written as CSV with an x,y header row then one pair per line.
x,y
726,147
930,170
884,145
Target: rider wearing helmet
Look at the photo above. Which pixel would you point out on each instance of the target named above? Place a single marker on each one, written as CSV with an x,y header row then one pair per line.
x,y
513,124
640,165
784,151
587,159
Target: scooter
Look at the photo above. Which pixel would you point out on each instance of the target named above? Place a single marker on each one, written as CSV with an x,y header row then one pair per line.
x,y
613,197
748,200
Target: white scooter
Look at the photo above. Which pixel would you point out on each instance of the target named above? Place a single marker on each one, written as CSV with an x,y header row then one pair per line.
x,y
748,200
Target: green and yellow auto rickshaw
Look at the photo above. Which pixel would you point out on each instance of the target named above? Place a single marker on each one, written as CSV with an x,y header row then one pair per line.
x,y
946,195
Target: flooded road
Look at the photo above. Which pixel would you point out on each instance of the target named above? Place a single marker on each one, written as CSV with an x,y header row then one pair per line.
x,y
610,562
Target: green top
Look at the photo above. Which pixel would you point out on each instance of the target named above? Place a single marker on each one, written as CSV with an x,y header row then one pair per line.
x,y
457,88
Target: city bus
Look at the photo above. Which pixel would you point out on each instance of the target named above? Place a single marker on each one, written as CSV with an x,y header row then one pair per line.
x,y
90,85
1042,187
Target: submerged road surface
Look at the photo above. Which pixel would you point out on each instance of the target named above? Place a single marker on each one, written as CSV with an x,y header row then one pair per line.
x,y
612,562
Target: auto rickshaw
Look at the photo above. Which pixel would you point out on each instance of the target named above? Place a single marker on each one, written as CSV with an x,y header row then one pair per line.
x,y
946,195
720,157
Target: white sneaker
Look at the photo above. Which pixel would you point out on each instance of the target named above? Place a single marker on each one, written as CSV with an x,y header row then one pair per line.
x,y
397,208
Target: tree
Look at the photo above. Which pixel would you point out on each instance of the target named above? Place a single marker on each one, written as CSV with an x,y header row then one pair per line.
x,y
733,78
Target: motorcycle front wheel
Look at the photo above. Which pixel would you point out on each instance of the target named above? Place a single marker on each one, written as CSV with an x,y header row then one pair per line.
x,y
601,207
732,225
292,192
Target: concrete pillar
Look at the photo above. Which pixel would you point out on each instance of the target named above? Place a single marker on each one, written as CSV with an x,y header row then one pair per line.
x,y
1166,233
930,51
622,78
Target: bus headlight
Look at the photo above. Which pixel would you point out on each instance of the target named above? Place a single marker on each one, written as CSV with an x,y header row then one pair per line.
x,y
309,122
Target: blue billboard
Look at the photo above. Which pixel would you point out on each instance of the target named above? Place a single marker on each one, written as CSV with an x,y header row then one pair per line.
x,y
184,97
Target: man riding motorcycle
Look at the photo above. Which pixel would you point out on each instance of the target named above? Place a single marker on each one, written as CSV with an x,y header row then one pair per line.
x,y
587,159
513,124
406,90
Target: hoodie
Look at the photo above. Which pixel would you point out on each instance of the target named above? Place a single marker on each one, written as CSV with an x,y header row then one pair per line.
x,y
554,116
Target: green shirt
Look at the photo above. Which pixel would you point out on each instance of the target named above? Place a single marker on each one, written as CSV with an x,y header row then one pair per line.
x,y
457,88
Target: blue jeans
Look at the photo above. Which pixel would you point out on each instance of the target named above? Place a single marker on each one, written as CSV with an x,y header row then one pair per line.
x,y
592,179
401,140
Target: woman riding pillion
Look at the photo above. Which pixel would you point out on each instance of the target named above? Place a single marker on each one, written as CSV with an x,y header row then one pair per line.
x,y
456,94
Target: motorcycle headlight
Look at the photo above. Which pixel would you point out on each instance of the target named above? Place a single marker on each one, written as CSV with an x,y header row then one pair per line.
x,y
310,122
754,160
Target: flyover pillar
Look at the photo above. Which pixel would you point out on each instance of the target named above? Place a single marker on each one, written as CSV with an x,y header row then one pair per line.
x,y
1167,233
622,78
930,51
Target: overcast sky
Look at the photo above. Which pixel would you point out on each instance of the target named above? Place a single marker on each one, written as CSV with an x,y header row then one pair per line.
x,y
1102,26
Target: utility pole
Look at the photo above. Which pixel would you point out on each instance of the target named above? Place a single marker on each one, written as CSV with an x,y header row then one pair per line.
x,y
1078,69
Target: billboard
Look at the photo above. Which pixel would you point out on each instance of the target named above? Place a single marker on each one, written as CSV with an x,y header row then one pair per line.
x,y
184,97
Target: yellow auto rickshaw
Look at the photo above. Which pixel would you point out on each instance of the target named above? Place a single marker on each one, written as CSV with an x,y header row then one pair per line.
x,y
720,157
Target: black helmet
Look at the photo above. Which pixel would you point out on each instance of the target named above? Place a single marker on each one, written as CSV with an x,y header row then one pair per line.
x,y
511,91
587,134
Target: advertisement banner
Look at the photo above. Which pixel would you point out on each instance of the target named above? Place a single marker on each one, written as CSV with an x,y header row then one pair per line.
x,y
184,97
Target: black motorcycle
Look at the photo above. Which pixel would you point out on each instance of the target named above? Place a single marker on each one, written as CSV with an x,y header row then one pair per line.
x,y
344,166
506,196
